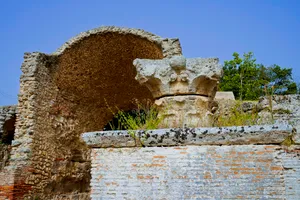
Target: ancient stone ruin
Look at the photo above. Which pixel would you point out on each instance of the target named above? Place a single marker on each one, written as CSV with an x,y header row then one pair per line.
x,y
56,149
63,95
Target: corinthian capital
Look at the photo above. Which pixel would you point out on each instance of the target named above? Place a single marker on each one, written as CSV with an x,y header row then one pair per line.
x,y
179,76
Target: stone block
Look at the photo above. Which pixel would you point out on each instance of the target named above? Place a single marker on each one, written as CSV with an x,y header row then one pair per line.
x,y
237,135
224,96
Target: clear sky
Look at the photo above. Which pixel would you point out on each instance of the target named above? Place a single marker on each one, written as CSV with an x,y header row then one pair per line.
x,y
206,28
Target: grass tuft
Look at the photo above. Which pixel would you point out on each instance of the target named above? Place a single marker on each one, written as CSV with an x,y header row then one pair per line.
x,y
144,117
236,117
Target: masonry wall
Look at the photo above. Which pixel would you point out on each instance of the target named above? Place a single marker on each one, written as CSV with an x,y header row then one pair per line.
x,y
286,109
70,100
196,172
245,162
60,164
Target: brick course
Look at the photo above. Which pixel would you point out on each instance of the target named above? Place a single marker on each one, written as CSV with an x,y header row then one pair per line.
x,y
196,172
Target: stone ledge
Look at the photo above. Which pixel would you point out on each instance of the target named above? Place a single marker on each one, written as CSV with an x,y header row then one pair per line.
x,y
236,135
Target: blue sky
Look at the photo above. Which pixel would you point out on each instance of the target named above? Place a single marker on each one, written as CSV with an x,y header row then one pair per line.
x,y
206,28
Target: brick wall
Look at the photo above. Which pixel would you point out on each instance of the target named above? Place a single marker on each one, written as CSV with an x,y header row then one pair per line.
x,y
196,172
202,163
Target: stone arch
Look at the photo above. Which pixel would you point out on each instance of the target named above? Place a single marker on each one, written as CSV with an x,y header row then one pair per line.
x,y
95,68
66,93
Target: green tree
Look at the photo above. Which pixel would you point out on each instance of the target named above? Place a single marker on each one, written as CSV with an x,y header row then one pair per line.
x,y
292,88
240,76
247,79
281,79
231,78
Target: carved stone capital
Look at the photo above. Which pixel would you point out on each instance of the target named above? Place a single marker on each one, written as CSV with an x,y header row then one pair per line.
x,y
179,76
184,89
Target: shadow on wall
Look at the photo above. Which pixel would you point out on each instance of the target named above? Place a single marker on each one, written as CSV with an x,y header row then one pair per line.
x,y
8,131
5,141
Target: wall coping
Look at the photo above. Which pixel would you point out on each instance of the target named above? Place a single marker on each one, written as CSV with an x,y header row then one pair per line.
x,y
236,135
